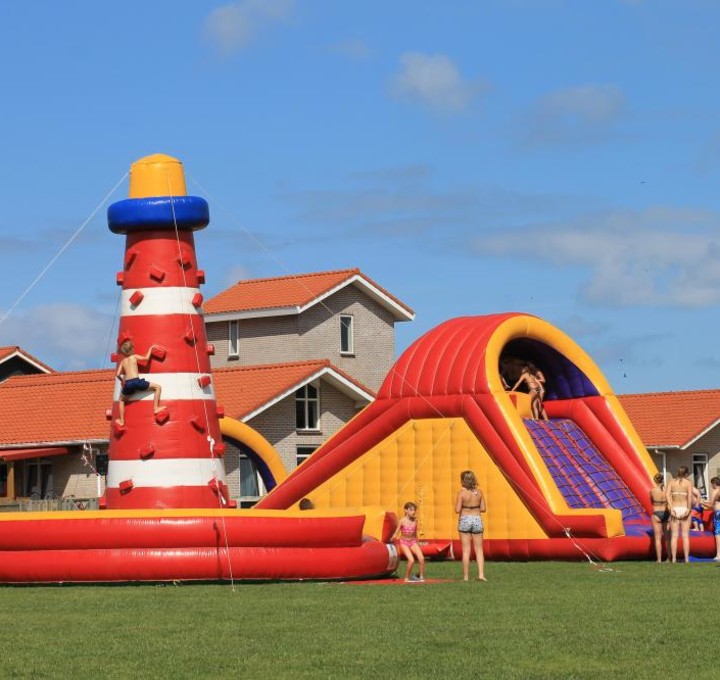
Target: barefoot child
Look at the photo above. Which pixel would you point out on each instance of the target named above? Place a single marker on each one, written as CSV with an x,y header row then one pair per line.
x,y
696,515
128,375
713,503
409,544
535,382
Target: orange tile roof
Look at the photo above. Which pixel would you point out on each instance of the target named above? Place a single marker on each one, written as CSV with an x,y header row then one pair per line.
x,y
298,290
55,407
70,407
671,418
6,352
244,389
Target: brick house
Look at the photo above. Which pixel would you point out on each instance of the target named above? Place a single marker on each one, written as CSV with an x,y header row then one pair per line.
x,y
342,316
296,358
679,428
55,425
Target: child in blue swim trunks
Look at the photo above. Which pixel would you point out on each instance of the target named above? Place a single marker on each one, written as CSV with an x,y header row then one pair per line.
x,y
129,376
696,515
713,503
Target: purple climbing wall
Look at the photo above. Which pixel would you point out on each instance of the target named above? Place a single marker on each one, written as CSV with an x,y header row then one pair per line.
x,y
583,476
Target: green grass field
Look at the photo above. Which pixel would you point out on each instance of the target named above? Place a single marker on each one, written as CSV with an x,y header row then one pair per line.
x,y
536,620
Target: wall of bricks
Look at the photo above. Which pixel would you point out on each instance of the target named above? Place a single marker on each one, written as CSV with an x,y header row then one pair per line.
x,y
315,334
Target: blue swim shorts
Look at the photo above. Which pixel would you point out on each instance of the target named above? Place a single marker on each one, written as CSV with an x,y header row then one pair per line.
x,y
135,385
470,524
716,523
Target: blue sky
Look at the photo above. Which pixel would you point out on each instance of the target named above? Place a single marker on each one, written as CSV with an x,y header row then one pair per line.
x,y
554,157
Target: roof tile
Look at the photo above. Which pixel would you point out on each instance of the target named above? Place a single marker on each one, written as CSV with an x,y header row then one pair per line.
x,y
297,290
671,418
71,406
8,351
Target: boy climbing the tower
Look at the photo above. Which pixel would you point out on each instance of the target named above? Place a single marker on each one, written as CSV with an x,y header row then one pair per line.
x,y
129,376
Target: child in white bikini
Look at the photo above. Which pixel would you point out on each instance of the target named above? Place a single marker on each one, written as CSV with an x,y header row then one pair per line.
x,y
680,500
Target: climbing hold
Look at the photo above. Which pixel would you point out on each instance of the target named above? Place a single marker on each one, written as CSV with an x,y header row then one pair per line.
x,y
156,273
158,352
146,451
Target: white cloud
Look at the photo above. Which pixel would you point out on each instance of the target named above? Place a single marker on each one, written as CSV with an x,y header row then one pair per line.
x,y
583,114
660,256
232,27
65,336
434,81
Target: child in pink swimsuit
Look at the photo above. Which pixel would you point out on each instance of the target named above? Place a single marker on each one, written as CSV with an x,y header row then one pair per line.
x,y
409,544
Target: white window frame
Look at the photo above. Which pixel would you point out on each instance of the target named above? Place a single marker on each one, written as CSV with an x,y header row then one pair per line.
x,y
701,459
307,400
662,466
350,321
258,478
233,338
301,457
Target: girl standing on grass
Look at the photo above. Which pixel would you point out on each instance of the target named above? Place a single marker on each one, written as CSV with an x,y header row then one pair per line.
x,y
409,544
469,504
660,515
680,500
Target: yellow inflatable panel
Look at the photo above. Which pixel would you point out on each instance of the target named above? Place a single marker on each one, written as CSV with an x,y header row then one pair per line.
x,y
422,462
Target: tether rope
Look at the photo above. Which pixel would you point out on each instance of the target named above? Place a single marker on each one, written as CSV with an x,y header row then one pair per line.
x,y
514,483
62,250
222,502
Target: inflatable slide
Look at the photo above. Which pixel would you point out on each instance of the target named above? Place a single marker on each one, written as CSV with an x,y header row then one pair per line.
x,y
572,487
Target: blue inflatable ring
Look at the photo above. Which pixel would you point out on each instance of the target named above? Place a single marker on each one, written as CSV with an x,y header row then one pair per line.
x,y
161,212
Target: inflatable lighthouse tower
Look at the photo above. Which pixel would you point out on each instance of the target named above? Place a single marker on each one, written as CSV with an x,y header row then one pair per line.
x,y
171,458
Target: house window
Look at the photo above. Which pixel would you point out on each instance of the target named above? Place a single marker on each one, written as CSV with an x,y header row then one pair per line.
x,y
303,453
700,463
251,485
37,479
307,408
233,339
346,335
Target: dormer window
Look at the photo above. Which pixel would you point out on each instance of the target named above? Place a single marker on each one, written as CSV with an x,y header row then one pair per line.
x,y
346,334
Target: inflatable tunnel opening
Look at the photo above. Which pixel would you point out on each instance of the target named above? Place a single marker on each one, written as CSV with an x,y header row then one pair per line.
x,y
256,463
564,380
